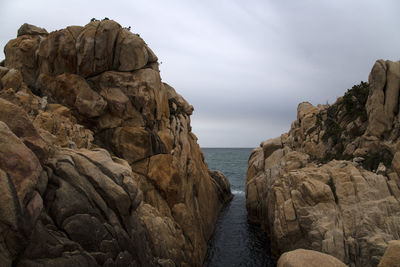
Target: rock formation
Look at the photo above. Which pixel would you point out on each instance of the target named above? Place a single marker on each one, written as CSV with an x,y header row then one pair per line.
x,y
308,258
331,184
391,258
98,163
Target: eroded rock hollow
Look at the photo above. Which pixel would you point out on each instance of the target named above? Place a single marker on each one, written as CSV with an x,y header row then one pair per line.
x,y
98,163
332,183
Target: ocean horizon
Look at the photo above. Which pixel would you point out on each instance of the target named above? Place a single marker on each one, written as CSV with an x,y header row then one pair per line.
x,y
236,242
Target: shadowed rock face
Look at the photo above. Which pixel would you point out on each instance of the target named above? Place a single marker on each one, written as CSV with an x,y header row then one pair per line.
x,y
98,163
332,183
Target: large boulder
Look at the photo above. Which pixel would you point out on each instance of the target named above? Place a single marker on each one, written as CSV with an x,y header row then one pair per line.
x,y
308,258
131,53
391,258
57,52
382,105
105,45
94,47
29,29
21,53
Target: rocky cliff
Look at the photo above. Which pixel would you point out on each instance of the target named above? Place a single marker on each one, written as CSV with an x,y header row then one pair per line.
x,y
98,163
331,184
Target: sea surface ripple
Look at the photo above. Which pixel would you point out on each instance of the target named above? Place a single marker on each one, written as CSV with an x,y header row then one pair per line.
x,y
236,242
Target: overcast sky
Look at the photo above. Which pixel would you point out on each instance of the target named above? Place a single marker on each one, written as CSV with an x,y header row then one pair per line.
x,y
243,65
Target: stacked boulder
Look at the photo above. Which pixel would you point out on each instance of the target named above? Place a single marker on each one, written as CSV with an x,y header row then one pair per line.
x,y
332,183
98,162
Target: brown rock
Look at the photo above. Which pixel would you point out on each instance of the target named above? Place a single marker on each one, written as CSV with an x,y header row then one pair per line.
x,y
117,101
381,113
178,100
101,87
21,55
168,242
131,52
256,164
305,108
392,90
18,121
163,174
28,29
57,53
326,208
35,206
8,219
135,144
74,91
95,46
148,97
75,31
222,186
391,258
396,162
12,79
323,186
271,145
25,99
308,258
19,164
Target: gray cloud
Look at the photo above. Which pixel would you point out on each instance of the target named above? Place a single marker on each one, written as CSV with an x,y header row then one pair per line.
x,y
244,65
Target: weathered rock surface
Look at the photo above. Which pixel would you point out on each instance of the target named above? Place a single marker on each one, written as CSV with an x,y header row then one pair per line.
x,y
308,258
391,258
332,183
98,163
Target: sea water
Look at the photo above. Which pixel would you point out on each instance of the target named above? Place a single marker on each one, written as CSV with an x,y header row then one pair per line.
x,y
235,242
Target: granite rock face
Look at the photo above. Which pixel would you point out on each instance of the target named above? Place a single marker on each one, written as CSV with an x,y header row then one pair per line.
x,y
98,162
331,184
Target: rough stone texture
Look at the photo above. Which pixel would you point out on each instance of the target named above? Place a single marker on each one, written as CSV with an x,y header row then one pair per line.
x,y
105,45
391,258
21,54
57,52
19,122
98,163
177,101
29,29
19,172
58,127
332,183
382,105
308,258
269,146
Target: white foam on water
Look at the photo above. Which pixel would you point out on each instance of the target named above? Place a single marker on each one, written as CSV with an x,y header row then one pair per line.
x,y
237,192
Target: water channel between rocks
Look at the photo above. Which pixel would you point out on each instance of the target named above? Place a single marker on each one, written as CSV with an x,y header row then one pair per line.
x,y
235,242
